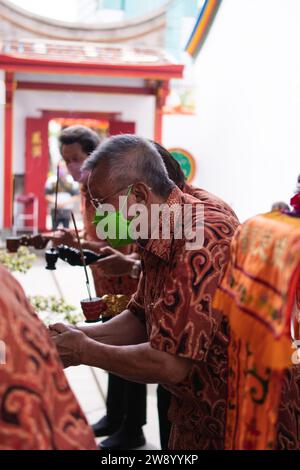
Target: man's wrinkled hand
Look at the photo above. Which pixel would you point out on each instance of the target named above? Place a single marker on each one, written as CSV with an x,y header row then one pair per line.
x,y
115,263
70,343
65,237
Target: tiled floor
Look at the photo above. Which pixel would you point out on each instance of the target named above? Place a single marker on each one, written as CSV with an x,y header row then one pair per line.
x,y
89,385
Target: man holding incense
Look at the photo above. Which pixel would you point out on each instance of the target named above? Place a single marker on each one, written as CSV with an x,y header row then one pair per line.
x,y
126,400
169,333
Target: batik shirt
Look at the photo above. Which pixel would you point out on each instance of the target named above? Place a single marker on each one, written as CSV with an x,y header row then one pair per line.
x,y
174,299
38,410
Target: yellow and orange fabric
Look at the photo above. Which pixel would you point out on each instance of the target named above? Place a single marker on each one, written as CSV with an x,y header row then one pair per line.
x,y
257,294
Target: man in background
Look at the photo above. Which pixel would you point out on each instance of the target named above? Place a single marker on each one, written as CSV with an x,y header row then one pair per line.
x,y
68,192
169,334
126,400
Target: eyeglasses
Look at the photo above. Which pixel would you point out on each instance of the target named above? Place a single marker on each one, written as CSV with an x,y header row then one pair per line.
x,y
97,203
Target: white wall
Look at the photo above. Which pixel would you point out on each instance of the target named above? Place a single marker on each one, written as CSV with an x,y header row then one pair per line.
x,y
139,109
247,132
183,131
2,107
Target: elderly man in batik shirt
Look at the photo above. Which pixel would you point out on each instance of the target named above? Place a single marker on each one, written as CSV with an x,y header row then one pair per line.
x,y
125,415
169,334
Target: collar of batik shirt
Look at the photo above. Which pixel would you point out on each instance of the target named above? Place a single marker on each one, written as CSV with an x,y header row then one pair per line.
x,y
163,247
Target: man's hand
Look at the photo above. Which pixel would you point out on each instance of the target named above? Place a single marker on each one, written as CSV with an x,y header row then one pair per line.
x,y
58,328
137,362
65,237
70,343
115,263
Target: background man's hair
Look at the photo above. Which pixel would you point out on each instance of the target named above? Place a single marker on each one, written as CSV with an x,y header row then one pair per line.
x,y
173,168
280,205
129,159
85,137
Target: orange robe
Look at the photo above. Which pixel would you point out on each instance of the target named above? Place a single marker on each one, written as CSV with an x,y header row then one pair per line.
x,y
38,410
257,294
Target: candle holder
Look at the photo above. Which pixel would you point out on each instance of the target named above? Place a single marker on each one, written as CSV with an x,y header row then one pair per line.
x,y
39,242
13,244
71,256
51,259
93,309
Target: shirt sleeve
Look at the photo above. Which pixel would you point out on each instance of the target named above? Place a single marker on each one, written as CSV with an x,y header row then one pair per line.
x,y
75,189
183,322
49,187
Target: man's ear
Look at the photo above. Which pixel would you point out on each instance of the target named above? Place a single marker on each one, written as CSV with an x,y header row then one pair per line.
x,y
141,193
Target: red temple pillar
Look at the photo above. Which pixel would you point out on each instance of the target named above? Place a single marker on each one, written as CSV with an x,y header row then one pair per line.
x,y
8,151
162,92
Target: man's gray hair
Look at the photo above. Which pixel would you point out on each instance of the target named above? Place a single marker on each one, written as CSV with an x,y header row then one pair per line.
x,y
129,159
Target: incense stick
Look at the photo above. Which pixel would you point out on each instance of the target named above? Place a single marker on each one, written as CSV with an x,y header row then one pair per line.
x,y
82,257
55,206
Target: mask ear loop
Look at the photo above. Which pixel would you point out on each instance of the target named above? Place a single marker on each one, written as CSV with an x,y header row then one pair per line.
x,y
88,184
126,197
89,191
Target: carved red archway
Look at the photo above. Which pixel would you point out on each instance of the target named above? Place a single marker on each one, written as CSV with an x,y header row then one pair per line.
x,y
37,150
153,66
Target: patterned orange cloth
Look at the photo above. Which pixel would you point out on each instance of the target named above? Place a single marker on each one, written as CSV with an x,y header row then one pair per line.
x,y
257,294
288,430
174,299
38,410
104,285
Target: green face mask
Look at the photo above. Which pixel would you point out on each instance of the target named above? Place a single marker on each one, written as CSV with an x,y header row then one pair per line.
x,y
115,224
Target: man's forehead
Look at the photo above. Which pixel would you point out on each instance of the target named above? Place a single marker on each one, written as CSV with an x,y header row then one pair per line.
x,y
71,148
98,180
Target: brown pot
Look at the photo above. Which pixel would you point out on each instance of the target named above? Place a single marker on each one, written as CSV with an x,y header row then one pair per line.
x,y
93,308
13,244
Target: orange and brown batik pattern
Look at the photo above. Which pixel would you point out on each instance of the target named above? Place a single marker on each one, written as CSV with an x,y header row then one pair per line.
x,y
257,294
174,298
38,410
